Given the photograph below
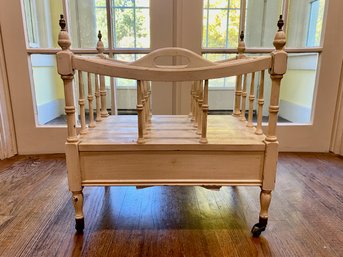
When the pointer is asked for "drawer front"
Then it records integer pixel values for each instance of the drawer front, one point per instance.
(171, 167)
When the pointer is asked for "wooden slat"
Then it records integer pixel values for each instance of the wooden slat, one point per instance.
(171, 132)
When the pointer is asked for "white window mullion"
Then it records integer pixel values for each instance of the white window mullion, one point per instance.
(65, 4)
(109, 12)
(284, 13)
(242, 17)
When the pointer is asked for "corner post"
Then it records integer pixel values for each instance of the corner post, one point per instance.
(279, 67)
(65, 69)
(100, 48)
(238, 90)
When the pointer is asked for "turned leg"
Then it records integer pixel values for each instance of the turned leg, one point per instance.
(265, 198)
(78, 204)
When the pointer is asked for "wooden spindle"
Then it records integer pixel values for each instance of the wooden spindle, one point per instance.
(97, 98)
(143, 101)
(203, 139)
(82, 104)
(149, 102)
(64, 67)
(146, 109)
(190, 115)
(90, 101)
(103, 93)
(251, 101)
(238, 94)
(140, 139)
(279, 67)
(196, 103)
(199, 111)
(193, 100)
(259, 130)
(244, 98)
(114, 110)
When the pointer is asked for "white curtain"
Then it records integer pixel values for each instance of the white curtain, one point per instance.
(337, 135)
(8, 146)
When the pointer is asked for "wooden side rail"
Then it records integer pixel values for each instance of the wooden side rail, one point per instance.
(122, 70)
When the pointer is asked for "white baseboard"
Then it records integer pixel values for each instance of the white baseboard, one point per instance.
(50, 111)
(294, 113)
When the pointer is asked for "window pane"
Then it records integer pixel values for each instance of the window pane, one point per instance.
(233, 28)
(142, 28)
(131, 24)
(223, 82)
(142, 3)
(41, 22)
(220, 24)
(216, 3)
(261, 20)
(126, 88)
(86, 19)
(48, 88)
(235, 3)
(305, 23)
(124, 28)
(216, 29)
(123, 3)
(298, 87)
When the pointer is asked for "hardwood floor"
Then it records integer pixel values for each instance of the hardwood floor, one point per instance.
(306, 214)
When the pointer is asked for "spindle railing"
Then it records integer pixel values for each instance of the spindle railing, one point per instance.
(199, 92)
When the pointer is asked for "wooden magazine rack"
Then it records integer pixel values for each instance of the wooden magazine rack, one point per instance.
(184, 150)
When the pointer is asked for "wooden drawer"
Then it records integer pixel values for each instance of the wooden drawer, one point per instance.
(171, 168)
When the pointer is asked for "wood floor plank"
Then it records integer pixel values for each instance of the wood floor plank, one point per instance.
(306, 214)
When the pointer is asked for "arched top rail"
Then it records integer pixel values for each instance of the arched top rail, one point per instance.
(192, 59)
(169, 73)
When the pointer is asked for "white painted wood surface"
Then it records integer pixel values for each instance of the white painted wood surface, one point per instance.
(172, 150)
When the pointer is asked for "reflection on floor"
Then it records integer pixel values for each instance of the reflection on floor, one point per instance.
(62, 120)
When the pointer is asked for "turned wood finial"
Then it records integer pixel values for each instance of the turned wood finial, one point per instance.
(241, 43)
(63, 37)
(241, 36)
(100, 44)
(280, 23)
(62, 22)
(280, 36)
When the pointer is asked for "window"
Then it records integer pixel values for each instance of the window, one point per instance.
(222, 21)
(125, 28)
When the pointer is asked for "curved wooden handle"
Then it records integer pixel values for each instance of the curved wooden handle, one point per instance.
(193, 60)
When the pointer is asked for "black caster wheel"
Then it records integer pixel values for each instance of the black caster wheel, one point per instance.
(79, 225)
(259, 227)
